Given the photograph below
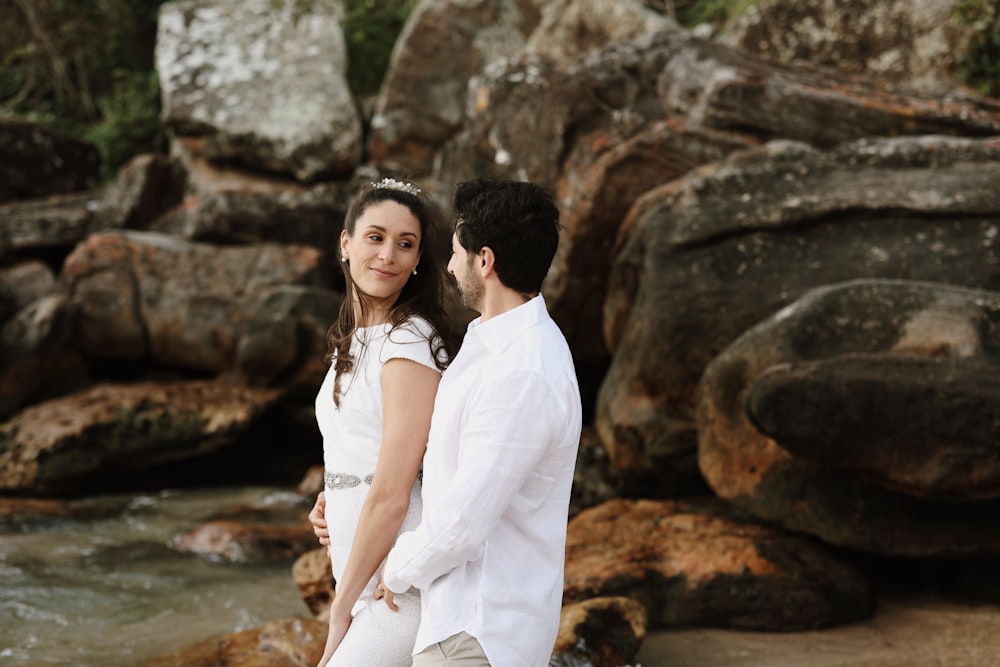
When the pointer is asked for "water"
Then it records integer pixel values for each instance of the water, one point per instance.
(110, 590)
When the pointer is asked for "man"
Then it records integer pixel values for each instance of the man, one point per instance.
(488, 555)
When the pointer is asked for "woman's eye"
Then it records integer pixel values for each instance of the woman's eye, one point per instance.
(374, 237)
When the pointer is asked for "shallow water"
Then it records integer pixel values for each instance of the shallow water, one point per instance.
(111, 591)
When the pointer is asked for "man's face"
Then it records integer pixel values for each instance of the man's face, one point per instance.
(463, 266)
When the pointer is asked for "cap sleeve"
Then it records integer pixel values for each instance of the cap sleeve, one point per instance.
(411, 340)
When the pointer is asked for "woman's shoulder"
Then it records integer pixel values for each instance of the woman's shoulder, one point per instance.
(413, 328)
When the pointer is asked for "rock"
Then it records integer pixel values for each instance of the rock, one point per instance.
(242, 542)
(603, 176)
(264, 85)
(704, 258)
(85, 441)
(287, 642)
(701, 564)
(926, 426)
(313, 575)
(313, 482)
(22, 284)
(36, 162)
(144, 188)
(31, 343)
(56, 222)
(600, 632)
(906, 41)
(571, 29)
(845, 498)
(287, 329)
(185, 305)
(305, 216)
(443, 44)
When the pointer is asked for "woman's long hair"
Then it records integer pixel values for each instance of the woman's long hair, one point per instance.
(423, 295)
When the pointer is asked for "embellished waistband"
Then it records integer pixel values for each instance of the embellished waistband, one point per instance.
(343, 480)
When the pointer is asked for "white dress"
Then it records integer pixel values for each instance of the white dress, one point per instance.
(352, 437)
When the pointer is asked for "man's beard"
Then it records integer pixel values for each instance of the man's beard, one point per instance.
(471, 290)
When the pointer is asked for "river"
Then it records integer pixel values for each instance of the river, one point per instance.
(109, 590)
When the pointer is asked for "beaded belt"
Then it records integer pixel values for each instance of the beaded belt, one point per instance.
(341, 480)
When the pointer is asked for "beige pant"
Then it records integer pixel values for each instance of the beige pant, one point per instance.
(461, 649)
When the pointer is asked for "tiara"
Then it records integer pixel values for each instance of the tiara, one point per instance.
(393, 184)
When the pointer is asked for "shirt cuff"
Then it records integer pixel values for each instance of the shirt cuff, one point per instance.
(393, 583)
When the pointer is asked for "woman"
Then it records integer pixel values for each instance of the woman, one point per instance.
(388, 347)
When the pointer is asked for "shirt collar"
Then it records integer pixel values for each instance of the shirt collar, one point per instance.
(497, 332)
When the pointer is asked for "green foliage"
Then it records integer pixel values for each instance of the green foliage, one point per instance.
(718, 12)
(979, 63)
(130, 118)
(84, 68)
(370, 30)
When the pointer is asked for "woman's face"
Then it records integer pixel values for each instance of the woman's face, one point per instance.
(382, 252)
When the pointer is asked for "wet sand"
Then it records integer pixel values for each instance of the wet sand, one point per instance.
(906, 631)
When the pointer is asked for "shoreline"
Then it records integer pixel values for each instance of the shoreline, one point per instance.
(907, 630)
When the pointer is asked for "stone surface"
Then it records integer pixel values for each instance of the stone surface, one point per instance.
(700, 564)
(79, 442)
(918, 322)
(287, 642)
(704, 258)
(264, 84)
(600, 632)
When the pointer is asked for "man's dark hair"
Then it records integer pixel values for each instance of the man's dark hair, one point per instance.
(518, 221)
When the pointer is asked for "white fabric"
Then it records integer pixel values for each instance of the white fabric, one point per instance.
(352, 436)
(489, 551)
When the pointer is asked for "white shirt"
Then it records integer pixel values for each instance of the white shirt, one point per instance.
(489, 552)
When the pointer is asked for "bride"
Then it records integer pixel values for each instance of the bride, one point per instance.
(387, 350)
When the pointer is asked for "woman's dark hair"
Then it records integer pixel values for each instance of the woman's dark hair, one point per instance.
(423, 295)
(517, 220)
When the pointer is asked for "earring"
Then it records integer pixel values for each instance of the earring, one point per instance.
(343, 259)
(414, 271)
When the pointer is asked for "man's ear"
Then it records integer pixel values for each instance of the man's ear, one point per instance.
(487, 261)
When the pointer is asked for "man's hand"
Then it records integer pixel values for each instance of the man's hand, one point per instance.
(318, 519)
(381, 592)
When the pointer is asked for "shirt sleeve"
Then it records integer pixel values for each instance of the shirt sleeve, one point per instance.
(411, 340)
(512, 425)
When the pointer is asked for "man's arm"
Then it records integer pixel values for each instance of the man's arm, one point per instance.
(513, 420)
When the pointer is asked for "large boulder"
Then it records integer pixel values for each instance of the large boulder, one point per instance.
(706, 257)
(899, 381)
(919, 42)
(87, 441)
(263, 84)
(443, 44)
(703, 564)
(286, 642)
(147, 296)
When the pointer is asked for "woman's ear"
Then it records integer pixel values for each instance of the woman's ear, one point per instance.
(345, 238)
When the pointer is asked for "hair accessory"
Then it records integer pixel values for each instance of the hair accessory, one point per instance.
(393, 184)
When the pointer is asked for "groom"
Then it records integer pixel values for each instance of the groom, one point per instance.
(488, 554)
